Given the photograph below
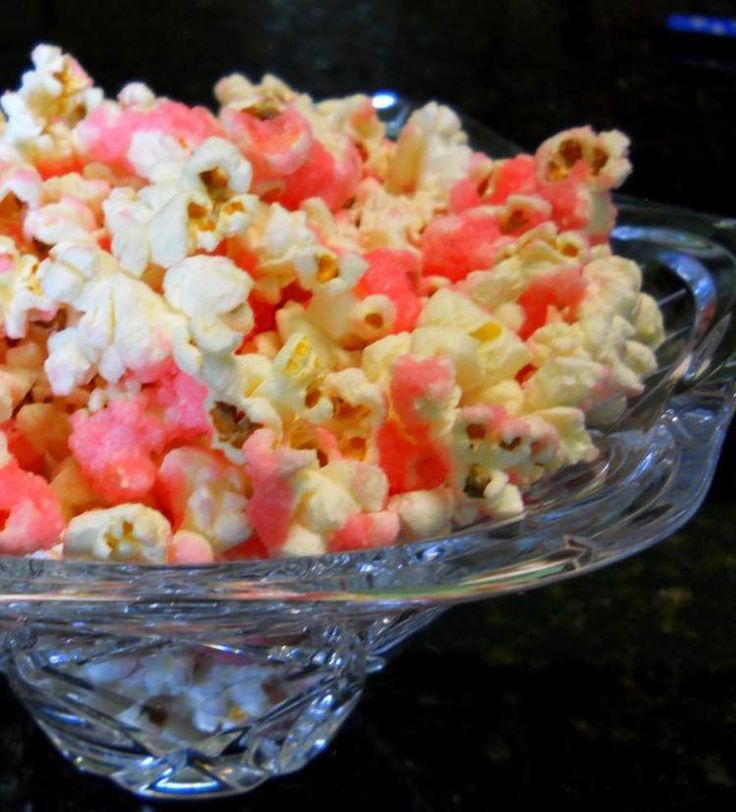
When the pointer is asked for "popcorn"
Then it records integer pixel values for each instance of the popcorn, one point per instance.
(69, 220)
(423, 514)
(204, 495)
(21, 295)
(33, 519)
(431, 153)
(115, 449)
(213, 293)
(124, 325)
(127, 533)
(275, 332)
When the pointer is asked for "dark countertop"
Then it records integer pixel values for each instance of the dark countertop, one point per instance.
(615, 689)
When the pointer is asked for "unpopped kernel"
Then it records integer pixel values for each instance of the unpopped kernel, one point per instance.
(270, 330)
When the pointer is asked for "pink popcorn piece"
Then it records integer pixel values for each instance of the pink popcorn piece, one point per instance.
(464, 195)
(456, 244)
(276, 143)
(391, 273)
(515, 176)
(273, 501)
(563, 290)
(189, 549)
(365, 531)
(30, 514)
(115, 449)
(333, 178)
(106, 133)
(415, 379)
(180, 401)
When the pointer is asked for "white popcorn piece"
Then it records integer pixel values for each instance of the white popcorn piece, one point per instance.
(123, 323)
(155, 155)
(137, 95)
(20, 184)
(52, 98)
(213, 293)
(126, 533)
(217, 168)
(69, 220)
(92, 192)
(423, 513)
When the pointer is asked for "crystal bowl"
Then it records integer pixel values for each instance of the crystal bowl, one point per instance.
(207, 681)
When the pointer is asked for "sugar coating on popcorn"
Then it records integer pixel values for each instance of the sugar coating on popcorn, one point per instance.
(270, 330)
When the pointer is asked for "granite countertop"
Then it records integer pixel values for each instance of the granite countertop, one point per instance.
(617, 687)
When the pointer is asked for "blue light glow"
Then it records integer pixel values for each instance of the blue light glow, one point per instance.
(383, 99)
(698, 24)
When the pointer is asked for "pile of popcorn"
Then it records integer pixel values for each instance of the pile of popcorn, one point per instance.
(273, 331)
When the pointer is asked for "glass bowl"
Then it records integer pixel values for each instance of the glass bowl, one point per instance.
(207, 681)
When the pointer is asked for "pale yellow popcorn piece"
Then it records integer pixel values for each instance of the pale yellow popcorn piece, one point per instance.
(424, 513)
(126, 218)
(449, 308)
(129, 533)
(271, 93)
(563, 381)
(292, 318)
(324, 505)
(605, 154)
(137, 95)
(300, 541)
(293, 383)
(21, 295)
(455, 343)
(431, 153)
(377, 358)
(354, 117)
(648, 322)
(384, 220)
(502, 500)
(575, 441)
(353, 388)
(328, 497)
(613, 287)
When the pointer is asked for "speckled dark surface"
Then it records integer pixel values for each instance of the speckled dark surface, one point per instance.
(618, 689)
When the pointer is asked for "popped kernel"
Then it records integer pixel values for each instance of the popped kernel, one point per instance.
(127, 533)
